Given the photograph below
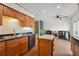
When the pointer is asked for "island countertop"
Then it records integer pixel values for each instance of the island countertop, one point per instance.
(48, 37)
(45, 45)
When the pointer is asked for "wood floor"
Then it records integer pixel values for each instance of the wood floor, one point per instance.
(61, 48)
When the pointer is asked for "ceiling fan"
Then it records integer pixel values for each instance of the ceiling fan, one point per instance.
(61, 17)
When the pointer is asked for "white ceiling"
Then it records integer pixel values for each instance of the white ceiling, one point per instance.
(50, 9)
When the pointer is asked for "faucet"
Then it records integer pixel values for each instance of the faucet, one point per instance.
(14, 32)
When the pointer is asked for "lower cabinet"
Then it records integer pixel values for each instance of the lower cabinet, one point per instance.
(45, 47)
(2, 48)
(12, 48)
(23, 44)
(75, 47)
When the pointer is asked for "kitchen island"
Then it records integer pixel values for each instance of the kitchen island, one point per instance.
(45, 45)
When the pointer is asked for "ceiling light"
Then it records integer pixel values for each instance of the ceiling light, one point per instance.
(14, 20)
(58, 19)
(26, 28)
(43, 11)
(58, 7)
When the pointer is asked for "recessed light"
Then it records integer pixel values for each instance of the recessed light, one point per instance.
(14, 20)
(58, 19)
(43, 11)
(58, 7)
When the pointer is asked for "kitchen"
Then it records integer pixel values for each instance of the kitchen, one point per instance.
(14, 27)
(28, 33)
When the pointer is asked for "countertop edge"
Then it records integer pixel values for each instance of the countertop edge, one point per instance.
(14, 37)
(76, 41)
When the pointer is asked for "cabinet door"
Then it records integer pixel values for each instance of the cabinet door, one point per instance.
(32, 22)
(23, 44)
(2, 48)
(9, 12)
(28, 21)
(44, 47)
(0, 19)
(2, 51)
(1, 13)
(19, 16)
(12, 48)
(23, 21)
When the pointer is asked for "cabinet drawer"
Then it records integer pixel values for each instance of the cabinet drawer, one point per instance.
(2, 44)
(12, 44)
(12, 49)
(13, 41)
(23, 39)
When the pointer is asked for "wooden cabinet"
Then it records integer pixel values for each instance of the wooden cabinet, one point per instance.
(75, 47)
(32, 21)
(9, 12)
(45, 47)
(22, 19)
(16, 46)
(12, 47)
(1, 13)
(2, 48)
(19, 17)
(23, 44)
(27, 21)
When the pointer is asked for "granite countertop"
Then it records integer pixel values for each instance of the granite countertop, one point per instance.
(12, 37)
(48, 37)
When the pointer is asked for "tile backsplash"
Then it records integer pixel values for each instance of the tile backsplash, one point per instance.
(9, 24)
(26, 29)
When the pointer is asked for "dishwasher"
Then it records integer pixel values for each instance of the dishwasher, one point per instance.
(31, 41)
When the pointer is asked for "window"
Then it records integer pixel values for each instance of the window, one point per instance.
(76, 29)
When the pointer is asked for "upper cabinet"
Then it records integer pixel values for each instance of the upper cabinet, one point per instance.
(13, 13)
(10, 12)
(27, 21)
(32, 21)
(1, 13)
(24, 20)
